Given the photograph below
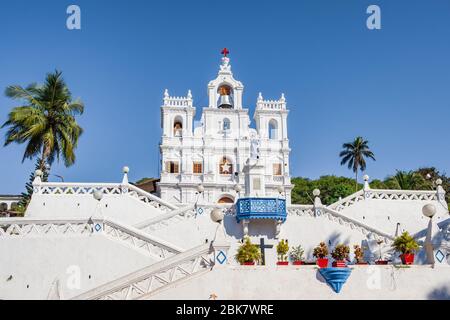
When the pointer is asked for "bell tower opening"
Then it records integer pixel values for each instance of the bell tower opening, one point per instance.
(225, 97)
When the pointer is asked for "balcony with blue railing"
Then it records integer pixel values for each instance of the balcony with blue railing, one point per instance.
(261, 208)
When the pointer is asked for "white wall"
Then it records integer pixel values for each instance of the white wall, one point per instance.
(122, 208)
(304, 282)
(307, 231)
(385, 214)
(37, 261)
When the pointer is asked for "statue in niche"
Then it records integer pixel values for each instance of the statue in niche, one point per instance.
(254, 148)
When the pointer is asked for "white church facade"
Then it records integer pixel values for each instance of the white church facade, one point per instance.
(214, 155)
(221, 182)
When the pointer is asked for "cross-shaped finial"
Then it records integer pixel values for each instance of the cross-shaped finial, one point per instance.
(225, 52)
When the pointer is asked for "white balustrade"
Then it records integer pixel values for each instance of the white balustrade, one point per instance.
(132, 237)
(109, 189)
(379, 194)
(147, 281)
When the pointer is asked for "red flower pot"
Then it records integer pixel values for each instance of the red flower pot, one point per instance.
(407, 258)
(252, 263)
(322, 262)
(297, 263)
(381, 262)
(339, 264)
(282, 263)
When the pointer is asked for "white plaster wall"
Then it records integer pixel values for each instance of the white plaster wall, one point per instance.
(121, 208)
(304, 230)
(36, 262)
(385, 214)
(304, 282)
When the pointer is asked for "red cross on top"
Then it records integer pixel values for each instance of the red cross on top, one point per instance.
(225, 52)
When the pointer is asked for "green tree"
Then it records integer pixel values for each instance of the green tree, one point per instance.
(407, 180)
(331, 189)
(354, 155)
(26, 196)
(46, 121)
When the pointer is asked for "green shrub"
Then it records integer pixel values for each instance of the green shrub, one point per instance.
(359, 253)
(282, 250)
(321, 251)
(296, 253)
(341, 252)
(405, 244)
(248, 252)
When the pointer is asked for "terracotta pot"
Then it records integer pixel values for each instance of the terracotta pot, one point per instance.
(282, 263)
(362, 263)
(252, 263)
(322, 262)
(339, 264)
(383, 262)
(297, 263)
(407, 258)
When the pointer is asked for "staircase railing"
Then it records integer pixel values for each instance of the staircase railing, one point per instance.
(354, 224)
(348, 201)
(145, 282)
(132, 237)
(333, 215)
(384, 194)
(166, 218)
(64, 188)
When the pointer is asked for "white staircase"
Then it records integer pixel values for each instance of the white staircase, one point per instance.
(128, 236)
(144, 283)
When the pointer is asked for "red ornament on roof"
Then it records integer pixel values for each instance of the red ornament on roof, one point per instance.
(225, 52)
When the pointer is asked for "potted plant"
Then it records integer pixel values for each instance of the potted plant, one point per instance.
(248, 253)
(282, 250)
(296, 255)
(320, 252)
(407, 245)
(340, 255)
(358, 251)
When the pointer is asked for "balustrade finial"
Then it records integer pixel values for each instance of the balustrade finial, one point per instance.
(125, 171)
(260, 97)
(366, 182)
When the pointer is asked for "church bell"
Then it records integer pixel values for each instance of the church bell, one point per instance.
(225, 100)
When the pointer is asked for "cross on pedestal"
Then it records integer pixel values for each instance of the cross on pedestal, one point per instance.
(263, 247)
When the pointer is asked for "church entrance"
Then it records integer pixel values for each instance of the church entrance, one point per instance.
(225, 199)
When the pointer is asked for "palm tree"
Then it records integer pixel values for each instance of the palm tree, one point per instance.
(45, 121)
(409, 180)
(354, 155)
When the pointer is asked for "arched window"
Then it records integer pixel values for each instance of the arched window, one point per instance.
(225, 199)
(273, 129)
(3, 207)
(226, 124)
(178, 127)
(225, 166)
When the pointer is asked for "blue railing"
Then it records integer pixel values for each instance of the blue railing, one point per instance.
(261, 208)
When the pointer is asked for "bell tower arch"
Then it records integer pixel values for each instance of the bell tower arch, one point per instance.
(225, 92)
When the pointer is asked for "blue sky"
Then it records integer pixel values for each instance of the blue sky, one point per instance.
(392, 86)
